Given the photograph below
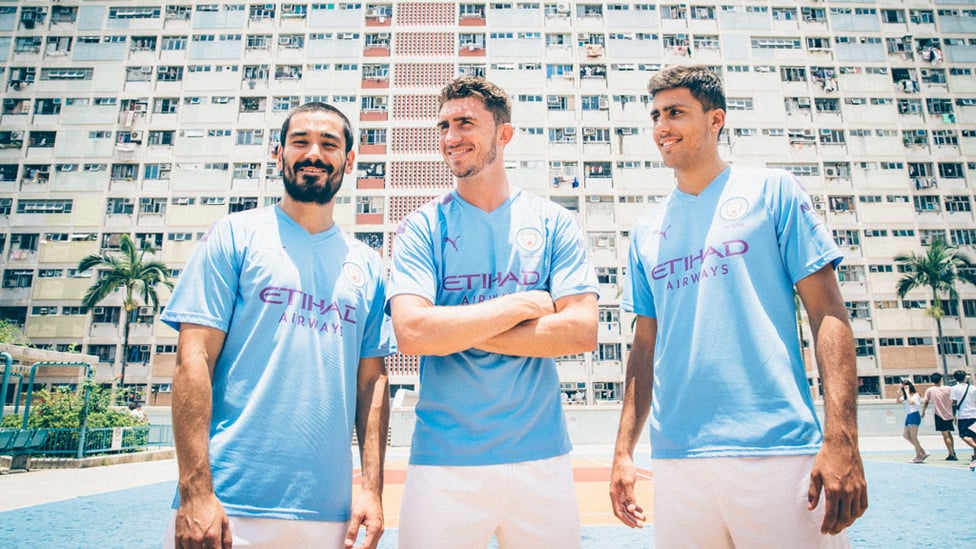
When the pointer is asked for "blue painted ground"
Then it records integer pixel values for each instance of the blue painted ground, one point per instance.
(911, 506)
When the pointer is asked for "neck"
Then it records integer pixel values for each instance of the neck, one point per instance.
(694, 179)
(486, 191)
(312, 216)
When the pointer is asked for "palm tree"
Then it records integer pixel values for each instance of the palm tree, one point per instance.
(939, 269)
(132, 271)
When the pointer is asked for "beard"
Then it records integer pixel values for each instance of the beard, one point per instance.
(486, 159)
(306, 188)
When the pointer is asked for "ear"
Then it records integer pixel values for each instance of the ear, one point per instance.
(350, 161)
(716, 120)
(505, 133)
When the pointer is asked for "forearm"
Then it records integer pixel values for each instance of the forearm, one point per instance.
(192, 406)
(638, 388)
(197, 351)
(425, 329)
(838, 373)
(571, 330)
(372, 425)
(636, 408)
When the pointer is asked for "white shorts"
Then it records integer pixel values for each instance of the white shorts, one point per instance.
(737, 502)
(278, 534)
(526, 504)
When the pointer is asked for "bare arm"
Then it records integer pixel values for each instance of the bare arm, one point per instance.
(372, 423)
(837, 470)
(200, 519)
(425, 329)
(633, 416)
(570, 330)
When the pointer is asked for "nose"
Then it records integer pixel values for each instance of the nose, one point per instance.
(450, 135)
(661, 126)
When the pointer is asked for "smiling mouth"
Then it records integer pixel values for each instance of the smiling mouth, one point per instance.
(667, 143)
(458, 152)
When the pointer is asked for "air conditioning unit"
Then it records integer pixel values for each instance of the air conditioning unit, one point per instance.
(562, 7)
(569, 131)
(16, 134)
(830, 171)
(625, 131)
(604, 104)
(284, 40)
(135, 136)
(98, 310)
(817, 199)
(145, 311)
(552, 99)
(589, 131)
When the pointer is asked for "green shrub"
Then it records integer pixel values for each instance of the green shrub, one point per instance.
(61, 409)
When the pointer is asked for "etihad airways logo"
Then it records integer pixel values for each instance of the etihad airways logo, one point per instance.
(695, 263)
(310, 310)
(487, 281)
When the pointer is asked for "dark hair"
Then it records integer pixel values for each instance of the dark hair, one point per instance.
(936, 377)
(316, 106)
(960, 375)
(909, 384)
(494, 98)
(702, 82)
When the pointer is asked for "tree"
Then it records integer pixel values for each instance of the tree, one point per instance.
(939, 269)
(129, 270)
(11, 333)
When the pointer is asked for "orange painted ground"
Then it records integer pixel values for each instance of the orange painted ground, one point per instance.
(592, 476)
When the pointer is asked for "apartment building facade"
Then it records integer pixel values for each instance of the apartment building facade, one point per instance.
(154, 119)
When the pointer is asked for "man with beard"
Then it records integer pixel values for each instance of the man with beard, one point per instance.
(488, 284)
(282, 339)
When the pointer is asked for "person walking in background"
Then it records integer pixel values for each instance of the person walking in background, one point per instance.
(488, 285)
(964, 399)
(944, 415)
(913, 418)
(282, 339)
(739, 459)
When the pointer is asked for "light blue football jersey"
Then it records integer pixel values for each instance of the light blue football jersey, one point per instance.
(717, 271)
(299, 311)
(478, 408)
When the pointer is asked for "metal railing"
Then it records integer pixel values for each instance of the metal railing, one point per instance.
(101, 441)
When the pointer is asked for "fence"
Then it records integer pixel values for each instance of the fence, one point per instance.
(109, 440)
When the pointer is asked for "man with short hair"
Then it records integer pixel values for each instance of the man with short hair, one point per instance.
(938, 395)
(488, 285)
(282, 339)
(963, 397)
(739, 460)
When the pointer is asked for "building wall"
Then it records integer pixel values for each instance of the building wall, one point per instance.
(156, 119)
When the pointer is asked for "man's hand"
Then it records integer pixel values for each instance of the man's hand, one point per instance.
(838, 471)
(623, 476)
(202, 523)
(367, 512)
(541, 300)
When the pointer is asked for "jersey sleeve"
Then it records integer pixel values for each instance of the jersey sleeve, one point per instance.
(805, 243)
(637, 297)
(378, 332)
(412, 270)
(207, 288)
(571, 271)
